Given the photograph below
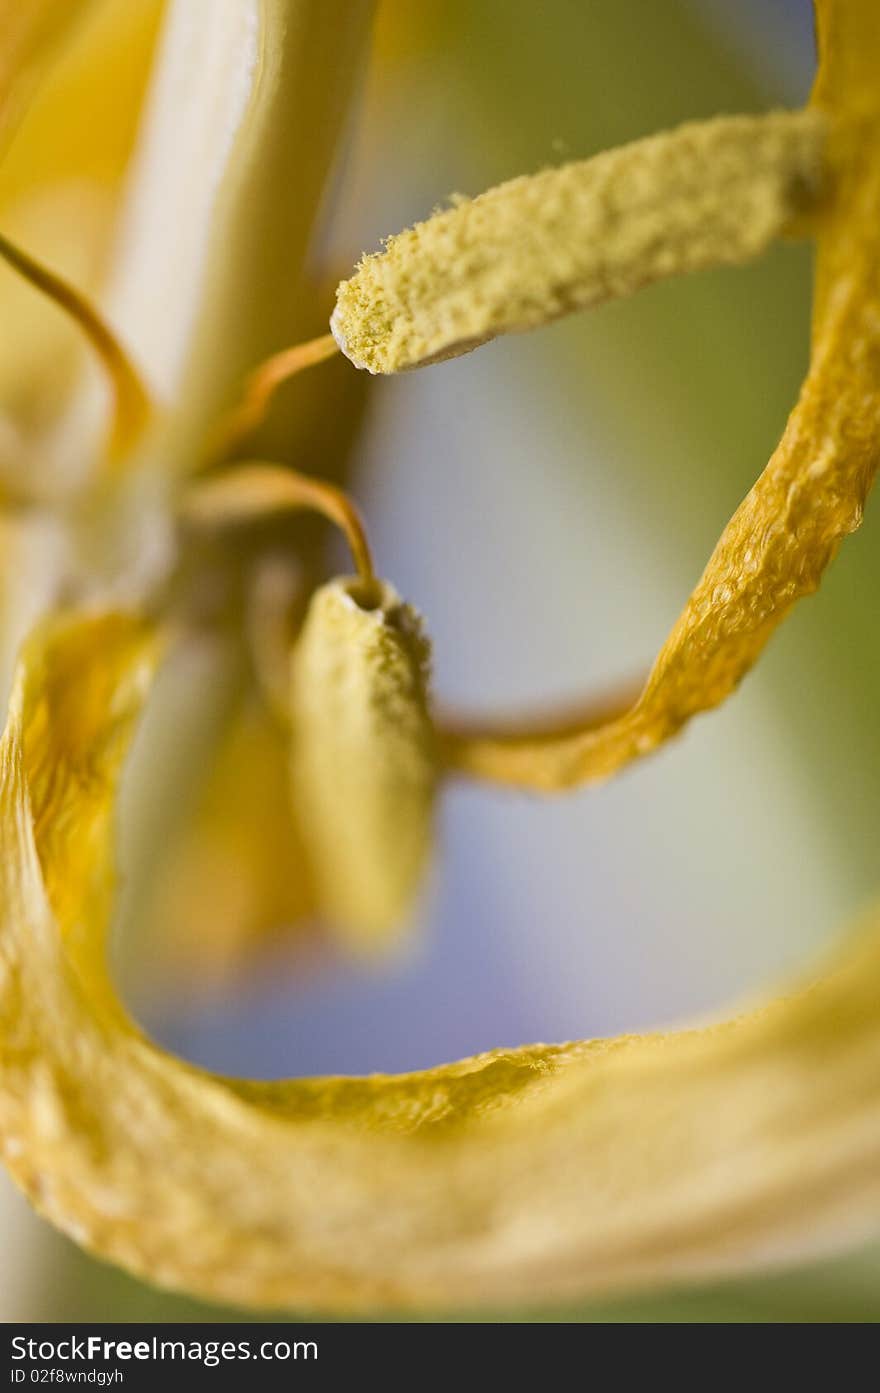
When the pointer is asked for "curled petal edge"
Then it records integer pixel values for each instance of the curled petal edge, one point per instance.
(572, 1170)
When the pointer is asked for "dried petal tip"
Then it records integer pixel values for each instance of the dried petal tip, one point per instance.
(709, 193)
(364, 759)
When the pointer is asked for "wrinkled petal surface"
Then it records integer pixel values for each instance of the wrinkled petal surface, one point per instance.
(546, 1170)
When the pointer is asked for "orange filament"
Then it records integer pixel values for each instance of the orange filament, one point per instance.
(258, 490)
(132, 405)
(260, 388)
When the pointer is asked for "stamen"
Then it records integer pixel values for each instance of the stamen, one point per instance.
(260, 388)
(132, 404)
(258, 490)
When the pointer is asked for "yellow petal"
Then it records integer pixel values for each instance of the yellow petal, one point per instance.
(92, 57)
(849, 37)
(364, 761)
(521, 1175)
(29, 35)
(710, 193)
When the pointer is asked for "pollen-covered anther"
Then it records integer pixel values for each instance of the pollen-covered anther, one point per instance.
(364, 762)
(709, 193)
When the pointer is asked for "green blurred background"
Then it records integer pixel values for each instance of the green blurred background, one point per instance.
(548, 503)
